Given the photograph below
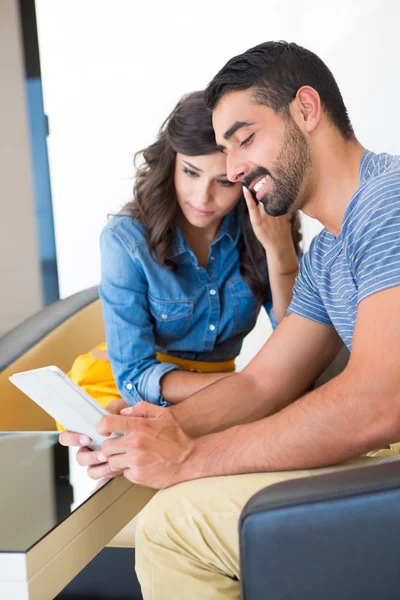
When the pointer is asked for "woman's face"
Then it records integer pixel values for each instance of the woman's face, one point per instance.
(204, 193)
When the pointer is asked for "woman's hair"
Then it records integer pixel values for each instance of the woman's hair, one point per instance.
(188, 130)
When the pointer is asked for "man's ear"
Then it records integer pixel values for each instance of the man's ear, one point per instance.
(306, 108)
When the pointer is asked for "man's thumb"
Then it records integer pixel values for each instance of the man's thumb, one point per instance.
(142, 409)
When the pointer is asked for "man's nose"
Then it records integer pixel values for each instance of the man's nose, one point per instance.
(236, 169)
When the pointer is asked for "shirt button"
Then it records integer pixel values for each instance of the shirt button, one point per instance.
(129, 386)
(164, 316)
(212, 257)
(212, 327)
(212, 292)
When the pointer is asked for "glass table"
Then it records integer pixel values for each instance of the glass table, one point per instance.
(53, 518)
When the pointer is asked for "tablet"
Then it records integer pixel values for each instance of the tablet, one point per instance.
(64, 400)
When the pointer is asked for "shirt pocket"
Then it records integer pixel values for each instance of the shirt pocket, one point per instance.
(245, 305)
(171, 319)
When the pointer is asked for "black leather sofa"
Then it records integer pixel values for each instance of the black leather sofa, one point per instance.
(330, 537)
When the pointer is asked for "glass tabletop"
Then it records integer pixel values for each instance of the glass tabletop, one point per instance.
(41, 485)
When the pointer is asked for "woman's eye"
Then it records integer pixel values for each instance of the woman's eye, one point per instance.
(189, 172)
(225, 183)
(247, 141)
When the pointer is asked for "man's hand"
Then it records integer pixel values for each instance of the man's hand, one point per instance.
(154, 450)
(116, 406)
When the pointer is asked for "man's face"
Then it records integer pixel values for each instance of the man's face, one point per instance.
(265, 151)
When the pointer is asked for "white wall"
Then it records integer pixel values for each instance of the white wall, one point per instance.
(113, 69)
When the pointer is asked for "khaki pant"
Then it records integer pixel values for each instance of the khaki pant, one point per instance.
(187, 543)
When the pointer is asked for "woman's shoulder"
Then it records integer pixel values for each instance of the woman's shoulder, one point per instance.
(126, 229)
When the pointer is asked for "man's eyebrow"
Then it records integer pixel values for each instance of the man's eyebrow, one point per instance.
(238, 125)
(192, 166)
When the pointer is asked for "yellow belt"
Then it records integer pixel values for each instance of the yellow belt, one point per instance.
(226, 366)
(95, 376)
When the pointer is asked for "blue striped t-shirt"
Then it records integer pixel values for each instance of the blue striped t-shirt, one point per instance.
(337, 273)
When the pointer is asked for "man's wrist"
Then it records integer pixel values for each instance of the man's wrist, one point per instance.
(212, 455)
(194, 467)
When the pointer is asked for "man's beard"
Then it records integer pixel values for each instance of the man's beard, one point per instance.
(289, 171)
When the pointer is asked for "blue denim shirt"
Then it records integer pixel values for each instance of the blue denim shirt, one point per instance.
(193, 312)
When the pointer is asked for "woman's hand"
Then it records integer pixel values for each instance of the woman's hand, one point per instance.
(274, 233)
(100, 354)
(95, 460)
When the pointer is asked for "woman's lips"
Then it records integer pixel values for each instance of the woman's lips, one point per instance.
(201, 213)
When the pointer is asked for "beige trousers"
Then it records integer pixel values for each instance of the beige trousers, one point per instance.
(187, 543)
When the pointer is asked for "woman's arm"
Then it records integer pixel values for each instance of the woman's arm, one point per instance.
(130, 336)
(283, 268)
(179, 385)
(128, 323)
(175, 385)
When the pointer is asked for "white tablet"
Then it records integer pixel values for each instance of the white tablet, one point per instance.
(64, 400)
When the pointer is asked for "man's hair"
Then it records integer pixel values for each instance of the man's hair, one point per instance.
(275, 71)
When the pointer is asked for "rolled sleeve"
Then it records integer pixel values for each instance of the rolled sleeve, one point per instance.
(129, 329)
(149, 384)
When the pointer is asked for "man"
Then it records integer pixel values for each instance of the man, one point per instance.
(280, 119)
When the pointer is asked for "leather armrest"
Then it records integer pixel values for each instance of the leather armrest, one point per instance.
(328, 537)
(23, 337)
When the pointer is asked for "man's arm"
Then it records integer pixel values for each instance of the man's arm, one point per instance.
(284, 369)
(295, 355)
(356, 412)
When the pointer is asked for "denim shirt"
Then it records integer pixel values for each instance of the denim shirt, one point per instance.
(193, 312)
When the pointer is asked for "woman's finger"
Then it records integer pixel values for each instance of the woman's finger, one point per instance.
(253, 208)
(251, 204)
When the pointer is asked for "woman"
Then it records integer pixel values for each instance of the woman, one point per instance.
(183, 273)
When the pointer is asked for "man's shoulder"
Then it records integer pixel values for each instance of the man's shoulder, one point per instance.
(378, 166)
(379, 181)
(378, 197)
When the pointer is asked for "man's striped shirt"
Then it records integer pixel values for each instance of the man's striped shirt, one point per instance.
(338, 273)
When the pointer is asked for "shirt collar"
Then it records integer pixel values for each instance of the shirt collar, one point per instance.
(229, 228)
